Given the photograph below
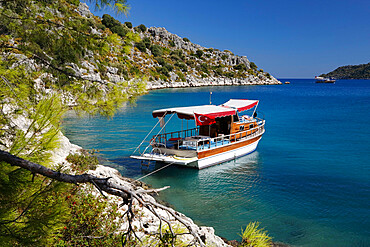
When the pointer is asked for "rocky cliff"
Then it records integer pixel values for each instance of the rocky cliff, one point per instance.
(168, 60)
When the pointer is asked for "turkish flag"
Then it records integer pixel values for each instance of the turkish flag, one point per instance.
(204, 119)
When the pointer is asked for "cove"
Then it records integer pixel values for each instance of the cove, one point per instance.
(308, 183)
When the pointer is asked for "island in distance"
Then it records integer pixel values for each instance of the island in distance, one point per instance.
(361, 71)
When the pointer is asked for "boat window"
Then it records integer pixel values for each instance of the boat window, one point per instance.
(224, 125)
(236, 118)
(251, 126)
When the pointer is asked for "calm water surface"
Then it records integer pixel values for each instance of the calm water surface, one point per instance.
(308, 183)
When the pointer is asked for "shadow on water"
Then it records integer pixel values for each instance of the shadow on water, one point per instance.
(245, 166)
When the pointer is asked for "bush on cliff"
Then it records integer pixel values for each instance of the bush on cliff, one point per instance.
(142, 28)
(253, 65)
(147, 42)
(156, 50)
(141, 46)
(241, 67)
(128, 24)
(114, 25)
(182, 66)
(199, 54)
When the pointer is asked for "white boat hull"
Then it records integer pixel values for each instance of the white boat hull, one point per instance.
(226, 156)
(203, 162)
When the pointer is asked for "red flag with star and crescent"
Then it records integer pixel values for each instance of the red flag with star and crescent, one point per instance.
(203, 119)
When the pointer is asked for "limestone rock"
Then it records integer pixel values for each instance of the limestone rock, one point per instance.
(84, 10)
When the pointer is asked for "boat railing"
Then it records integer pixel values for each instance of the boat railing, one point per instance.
(189, 139)
(163, 138)
(226, 139)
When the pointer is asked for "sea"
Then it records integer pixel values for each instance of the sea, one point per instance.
(307, 184)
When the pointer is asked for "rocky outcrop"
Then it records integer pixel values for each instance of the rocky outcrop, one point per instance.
(212, 57)
(149, 223)
(145, 219)
(192, 81)
(161, 35)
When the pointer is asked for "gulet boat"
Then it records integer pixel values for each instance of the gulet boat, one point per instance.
(320, 79)
(220, 134)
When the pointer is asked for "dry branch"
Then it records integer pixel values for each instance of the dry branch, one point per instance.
(103, 184)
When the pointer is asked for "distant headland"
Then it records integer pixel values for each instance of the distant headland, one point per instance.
(361, 71)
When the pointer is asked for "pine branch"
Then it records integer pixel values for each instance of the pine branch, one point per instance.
(103, 184)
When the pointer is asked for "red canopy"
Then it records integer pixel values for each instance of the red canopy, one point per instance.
(206, 114)
(241, 104)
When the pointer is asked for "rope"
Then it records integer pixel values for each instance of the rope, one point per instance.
(151, 173)
(148, 135)
(158, 131)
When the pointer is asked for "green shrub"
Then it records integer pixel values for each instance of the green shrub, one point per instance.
(224, 57)
(109, 21)
(199, 53)
(218, 72)
(142, 28)
(251, 72)
(163, 71)
(175, 58)
(128, 24)
(168, 66)
(186, 39)
(181, 76)
(172, 43)
(93, 222)
(253, 65)
(230, 74)
(147, 42)
(83, 162)
(163, 77)
(254, 237)
(182, 66)
(160, 60)
(240, 66)
(204, 68)
(100, 26)
(156, 50)
(120, 30)
(141, 46)
(134, 70)
(190, 62)
(179, 54)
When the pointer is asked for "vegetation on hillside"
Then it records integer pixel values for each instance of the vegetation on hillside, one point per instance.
(361, 71)
(53, 59)
(41, 44)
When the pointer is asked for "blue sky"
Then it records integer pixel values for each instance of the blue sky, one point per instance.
(287, 38)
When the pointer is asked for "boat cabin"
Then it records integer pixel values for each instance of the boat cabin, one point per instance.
(215, 125)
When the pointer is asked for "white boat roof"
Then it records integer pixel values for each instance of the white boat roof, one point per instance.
(241, 104)
(227, 109)
(188, 112)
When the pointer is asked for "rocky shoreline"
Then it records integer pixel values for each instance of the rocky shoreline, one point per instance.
(192, 81)
(146, 221)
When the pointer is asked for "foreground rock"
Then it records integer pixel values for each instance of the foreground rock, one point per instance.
(145, 221)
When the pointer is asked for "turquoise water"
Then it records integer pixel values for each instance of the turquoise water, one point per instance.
(308, 183)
